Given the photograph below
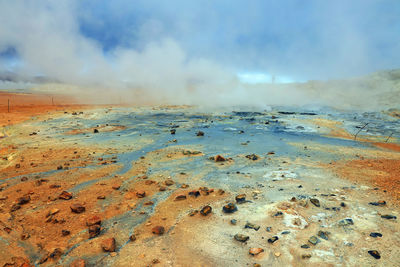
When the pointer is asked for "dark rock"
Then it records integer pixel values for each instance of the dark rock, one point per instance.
(95, 131)
(158, 230)
(375, 254)
(132, 238)
(93, 220)
(59, 167)
(343, 205)
(172, 131)
(241, 238)
(94, 230)
(140, 194)
(56, 254)
(252, 226)
(315, 202)
(180, 197)
(77, 208)
(375, 234)
(65, 195)
(346, 222)
(15, 207)
(65, 232)
(233, 221)
(194, 193)
(200, 133)
(240, 198)
(306, 256)
(278, 214)
(380, 203)
(229, 208)
(285, 232)
(108, 245)
(219, 158)
(205, 210)
(169, 182)
(24, 200)
(252, 157)
(323, 234)
(389, 217)
(268, 229)
(305, 246)
(273, 239)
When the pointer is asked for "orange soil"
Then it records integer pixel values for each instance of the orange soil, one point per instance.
(382, 173)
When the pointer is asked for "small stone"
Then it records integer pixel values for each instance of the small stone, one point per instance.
(277, 254)
(389, 217)
(303, 202)
(113, 254)
(116, 186)
(252, 226)
(155, 261)
(108, 245)
(256, 265)
(306, 256)
(273, 239)
(314, 240)
(53, 211)
(375, 254)
(193, 212)
(241, 237)
(255, 251)
(194, 193)
(173, 131)
(219, 158)
(132, 238)
(78, 263)
(252, 157)
(56, 254)
(180, 197)
(268, 229)
(323, 234)
(315, 202)
(285, 233)
(305, 246)
(240, 198)
(229, 208)
(346, 222)
(77, 208)
(65, 232)
(184, 186)
(93, 220)
(380, 203)
(95, 131)
(205, 210)
(158, 230)
(233, 221)
(162, 188)
(94, 230)
(200, 133)
(65, 195)
(24, 200)
(140, 194)
(169, 182)
(101, 197)
(375, 234)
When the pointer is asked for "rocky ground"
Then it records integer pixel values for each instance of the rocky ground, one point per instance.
(179, 186)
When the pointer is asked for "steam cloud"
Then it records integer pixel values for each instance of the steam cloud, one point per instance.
(182, 52)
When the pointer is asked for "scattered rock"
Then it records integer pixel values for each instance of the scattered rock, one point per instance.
(169, 182)
(305, 246)
(172, 131)
(389, 217)
(200, 133)
(252, 226)
(65, 232)
(194, 193)
(375, 234)
(315, 202)
(132, 238)
(346, 222)
(375, 254)
(65, 195)
(24, 200)
(180, 197)
(158, 230)
(233, 221)
(306, 256)
(94, 230)
(241, 237)
(95, 131)
(15, 207)
(273, 239)
(219, 158)
(314, 240)
(252, 157)
(229, 208)
(140, 194)
(323, 234)
(93, 220)
(56, 254)
(77, 208)
(205, 210)
(108, 245)
(380, 203)
(53, 211)
(101, 197)
(240, 198)
(255, 251)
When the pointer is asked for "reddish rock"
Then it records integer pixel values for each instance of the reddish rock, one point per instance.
(77, 208)
(169, 182)
(101, 197)
(93, 220)
(255, 251)
(205, 210)
(94, 230)
(65, 195)
(158, 230)
(116, 186)
(162, 188)
(180, 197)
(219, 158)
(140, 194)
(24, 200)
(78, 263)
(108, 245)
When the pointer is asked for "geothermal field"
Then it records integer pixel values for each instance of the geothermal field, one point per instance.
(86, 185)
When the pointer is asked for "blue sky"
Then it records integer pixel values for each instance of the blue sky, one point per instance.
(296, 39)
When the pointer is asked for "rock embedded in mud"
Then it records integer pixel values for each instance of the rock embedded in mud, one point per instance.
(219, 158)
(375, 254)
(24, 200)
(315, 202)
(206, 210)
(65, 195)
(93, 220)
(141, 194)
(108, 245)
(241, 237)
(252, 226)
(77, 208)
(240, 198)
(273, 239)
(380, 203)
(346, 222)
(158, 230)
(229, 208)
(255, 251)
(389, 217)
(94, 230)
(78, 263)
(375, 234)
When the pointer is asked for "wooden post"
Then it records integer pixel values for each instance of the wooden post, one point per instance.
(8, 105)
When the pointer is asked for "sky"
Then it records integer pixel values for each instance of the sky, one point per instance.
(168, 44)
